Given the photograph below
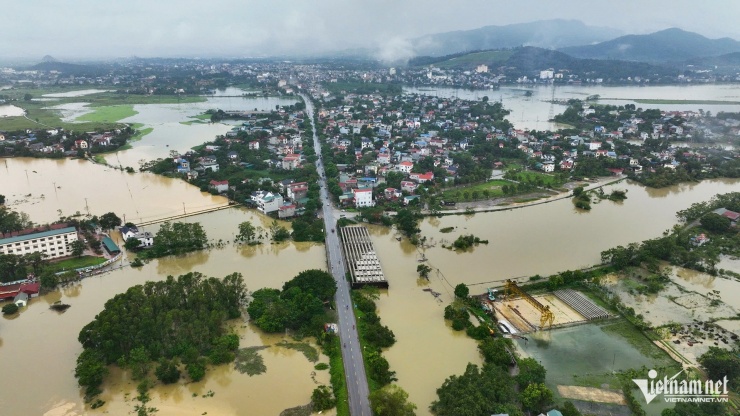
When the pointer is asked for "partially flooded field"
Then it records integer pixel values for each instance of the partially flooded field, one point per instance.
(590, 355)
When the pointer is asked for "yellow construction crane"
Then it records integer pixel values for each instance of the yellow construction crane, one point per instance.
(546, 317)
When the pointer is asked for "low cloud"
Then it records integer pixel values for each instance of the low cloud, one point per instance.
(395, 50)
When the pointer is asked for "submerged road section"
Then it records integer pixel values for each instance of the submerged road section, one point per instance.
(354, 367)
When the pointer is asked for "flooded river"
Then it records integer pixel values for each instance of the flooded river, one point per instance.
(530, 107)
(43, 187)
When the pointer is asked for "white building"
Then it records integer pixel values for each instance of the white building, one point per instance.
(267, 202)
(53, 243)
(547, 74)
(481, 68)
(146, 239)
(363, 197)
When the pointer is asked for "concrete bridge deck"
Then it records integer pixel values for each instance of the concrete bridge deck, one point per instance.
(362, 261)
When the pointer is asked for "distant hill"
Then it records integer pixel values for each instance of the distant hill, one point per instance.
(531, 60)
(67, 68)
(670, 45)
(546, 34)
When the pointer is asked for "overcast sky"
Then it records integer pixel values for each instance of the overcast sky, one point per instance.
(79, 29)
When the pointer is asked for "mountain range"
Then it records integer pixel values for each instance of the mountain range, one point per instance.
(550, 34)
(669, 45)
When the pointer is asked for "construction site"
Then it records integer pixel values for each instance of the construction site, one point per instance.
(519, 312)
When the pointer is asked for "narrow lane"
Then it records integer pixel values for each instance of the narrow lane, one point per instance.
(354, 367)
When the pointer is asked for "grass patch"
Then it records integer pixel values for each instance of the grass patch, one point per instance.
(477, 58)
(76, 263)
(140, 133)
(337, 377)
(637, 339)
(477, 191)
(100, 159)
(249, 361)
(308, 351)
(541, 179)
(523, 200)
(109, 114)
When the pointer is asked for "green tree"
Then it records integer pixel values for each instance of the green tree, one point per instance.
(48, 279)
(536, 396)
(78, 247)
(495, 351)
(530, 372)
(316, 282)
(247, 232)
(138, 362)
(569, 409)
(476, 392)
(132, 243)
(109, 220)
(423, 271)
(10, 309)
(196, 370)
(322, 399)
(391, 400)
(90, 371)
(2, 199)
(278, 233)
(379, 368)
(719, 363)
(462, 291)
(167, 371)
(715, 223)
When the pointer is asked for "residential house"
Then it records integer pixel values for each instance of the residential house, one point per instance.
(81, 144)
(291, 161)
(219, 186)
(286, 211)
(422, 177)
(405, 167)
(392, 193)
(254, 145)
(408, 186)
(363, 197)
(296, 191)
(267, 202)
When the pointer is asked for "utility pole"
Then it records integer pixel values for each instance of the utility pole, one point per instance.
(183, 209)
(87, 208)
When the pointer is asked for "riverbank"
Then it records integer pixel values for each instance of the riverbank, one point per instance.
(519, 201)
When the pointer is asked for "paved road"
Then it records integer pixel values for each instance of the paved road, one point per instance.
(354, 368)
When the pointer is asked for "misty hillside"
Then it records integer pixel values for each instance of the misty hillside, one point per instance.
(531, 60)
(546, 34)
(670, 45)
(535, 59)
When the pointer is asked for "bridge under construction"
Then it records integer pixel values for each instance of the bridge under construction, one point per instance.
(361, 259)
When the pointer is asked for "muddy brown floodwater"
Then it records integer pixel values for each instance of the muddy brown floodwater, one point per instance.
(40, 346)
